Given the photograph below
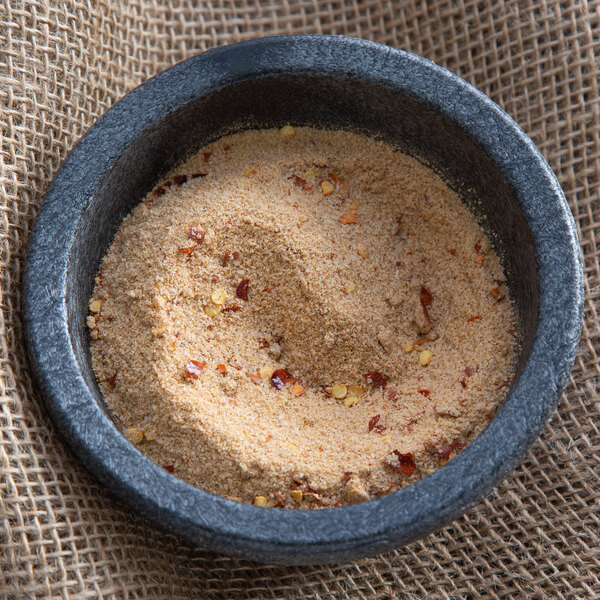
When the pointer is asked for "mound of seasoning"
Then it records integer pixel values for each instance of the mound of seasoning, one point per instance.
(301, 318)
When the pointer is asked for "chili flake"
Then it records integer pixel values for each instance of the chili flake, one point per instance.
(405, 463)
(242, 290)
(193, 368)
(350, 217)
(376, 379)
(280, 377)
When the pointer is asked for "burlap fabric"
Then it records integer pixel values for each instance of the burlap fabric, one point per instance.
(62, 64)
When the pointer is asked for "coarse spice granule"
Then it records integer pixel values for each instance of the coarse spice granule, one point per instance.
(302, 318)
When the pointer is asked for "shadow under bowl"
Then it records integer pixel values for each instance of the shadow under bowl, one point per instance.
(332, 82)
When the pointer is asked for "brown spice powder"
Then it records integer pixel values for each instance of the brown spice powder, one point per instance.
(301, 318)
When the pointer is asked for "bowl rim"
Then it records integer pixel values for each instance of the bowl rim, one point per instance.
(296, 536)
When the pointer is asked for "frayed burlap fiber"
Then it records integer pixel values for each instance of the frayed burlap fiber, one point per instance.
(62, 65)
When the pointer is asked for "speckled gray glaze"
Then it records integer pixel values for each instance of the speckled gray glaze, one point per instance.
(333, 82)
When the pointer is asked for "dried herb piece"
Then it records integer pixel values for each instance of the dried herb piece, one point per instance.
(376, 379)
(405, 463)
(280, 378)
(242, 290)
(193, 368)
(169, 468)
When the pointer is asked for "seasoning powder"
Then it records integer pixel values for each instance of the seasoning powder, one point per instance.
(301, 318)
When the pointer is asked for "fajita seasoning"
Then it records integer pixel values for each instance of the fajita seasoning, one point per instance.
(301, 318)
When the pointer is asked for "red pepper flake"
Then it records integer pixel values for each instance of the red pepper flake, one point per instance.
(235, 255)
(475, 318)
(225, 260)
(398, 225)
(196, 234)
(254, 378)
(196, 175)
(169, 468)
(301, 183)
(495, 293)
(477, 246)
(347, 475)
(373, 422)
(188, 251)
(452, 251)
(222, 368)
(206, 156)
(399, 263)
(112, 381)
(232, 308)
(350, 217)
(280, 498)
(168, 184)
(426, 300)
(280, 378)
(180, 179)
(268, 438)
(385, 492)
(426, 297)
(160, 191)
(479, 259)
(468, 371)
(193, 368)
(242, 290)
(424, 392)
(405, 463)
(444, 455)
(511, 331)
(392, 395)
(458, 445)
(227, 147)
(376, 379)
(463, 383)
(337, 179)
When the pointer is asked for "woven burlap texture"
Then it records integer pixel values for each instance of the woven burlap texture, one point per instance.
(63, 64)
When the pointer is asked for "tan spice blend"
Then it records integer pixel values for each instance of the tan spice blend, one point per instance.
(301, 318)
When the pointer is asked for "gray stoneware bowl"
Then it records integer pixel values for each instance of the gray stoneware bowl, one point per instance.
(333, 82)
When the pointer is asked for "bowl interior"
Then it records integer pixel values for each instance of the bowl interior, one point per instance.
(323, 101)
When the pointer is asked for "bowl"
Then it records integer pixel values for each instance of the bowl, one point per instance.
(334, 82)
